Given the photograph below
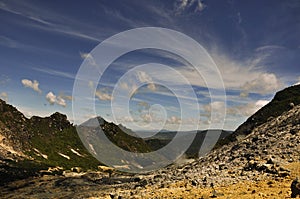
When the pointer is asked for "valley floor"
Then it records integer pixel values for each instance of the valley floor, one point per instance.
(94, 186)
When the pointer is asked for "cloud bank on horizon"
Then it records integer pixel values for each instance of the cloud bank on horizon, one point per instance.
(255, 46)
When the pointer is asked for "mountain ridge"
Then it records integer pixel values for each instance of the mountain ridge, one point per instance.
(283, 101)
(28, 145)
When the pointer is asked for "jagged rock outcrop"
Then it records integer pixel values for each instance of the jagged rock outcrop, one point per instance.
(265, 150)
(13, 127)
(56, 121)
(30, 145)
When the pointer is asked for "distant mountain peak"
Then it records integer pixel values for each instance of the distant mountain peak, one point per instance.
(93, 122)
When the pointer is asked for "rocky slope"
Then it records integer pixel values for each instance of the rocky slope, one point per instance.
(265, 151)
(282, 101)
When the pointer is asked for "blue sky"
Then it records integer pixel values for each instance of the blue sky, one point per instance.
(255, 45)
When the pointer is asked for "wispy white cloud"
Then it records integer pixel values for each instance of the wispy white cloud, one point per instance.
(269, 48)
(50, 21)
(5, 41)
(133, 23)
(31, 84)
(182, 5)
(248, 75)
(7, 8)
(65, 97)
(103, 95)
(145, 78)
(199, 6)
(235, 73)
(55, 72)
(12, 43)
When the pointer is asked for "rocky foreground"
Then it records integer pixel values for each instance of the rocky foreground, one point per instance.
(261, 164)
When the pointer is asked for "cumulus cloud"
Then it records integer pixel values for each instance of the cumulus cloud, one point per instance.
(127, 119)
(213, 106)
(104, 96)
(215, 111)
(146, 117)
(174, 120)
(85, 55)
(236, 74)
(60, 101)
(239, 75)
(234, 113)
(153, 116)
(65, 97)
(145, 78)
(89, 58)
(265, 83)
(4, 96)
(248, 109)
(31, 84)
(53, 99)
(151, 86)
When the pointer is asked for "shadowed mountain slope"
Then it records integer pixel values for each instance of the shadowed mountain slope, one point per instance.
(283, 101)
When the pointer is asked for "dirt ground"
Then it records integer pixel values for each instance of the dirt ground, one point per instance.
(269, 188)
